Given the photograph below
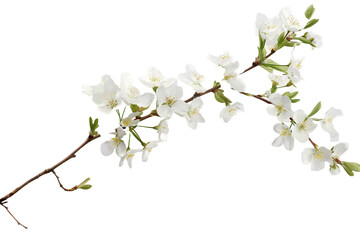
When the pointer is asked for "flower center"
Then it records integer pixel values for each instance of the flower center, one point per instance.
(232, 111)
(318, 155)
(193, 112)
(110, 100)
(224, 57)
(132, 92)
(127, 122)
(170, 100)
(115, 141)
(293, 21)
(284, 133)
(197, 77)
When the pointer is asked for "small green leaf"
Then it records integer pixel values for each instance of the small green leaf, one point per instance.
(292, 95)
(270, 70)
(96, 124)
(311, 23)
(273, 89)
(134, 107)
(315, 110)
(348, 170)
(316, 119)
(220, 97)
(352, 166)
(309, 11)
(286, 94)
(91, 123)
(280, 38)
(85, 187)
(290, 44)
(84, 182)
(155, 88)
(295, 100)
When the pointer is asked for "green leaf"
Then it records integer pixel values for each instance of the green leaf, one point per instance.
(286, 94)
(96, 124)
(134, 107)
(261, 42)
(316, 119)
(91, 123)
(273, 89)
(309, 11)
(270, 70)
(352, 166)
(315, 110)
(84, 182)
(280, 38)
(348, 170)
(292, 95)
(220, 97)
(155, 88)
(270, 63)
(311, 23)
(295, 100)
(290, 44)
(85, 187)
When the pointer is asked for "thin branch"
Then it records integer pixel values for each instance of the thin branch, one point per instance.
(7, 209)
(257, 62)
(66, 189)
(46, 171)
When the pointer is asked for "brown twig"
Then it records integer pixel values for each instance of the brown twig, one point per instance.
(66, 189)
(46, 171)
(258, 62)
(7, 209)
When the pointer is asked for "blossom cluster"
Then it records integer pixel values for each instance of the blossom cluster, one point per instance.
(284, 30)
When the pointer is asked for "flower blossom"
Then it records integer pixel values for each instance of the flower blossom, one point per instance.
(317, 157)
(337, 151)
(269, 29)
(193, 115)
(231, 76)
(291, 23)
(281, 108)
(303, 126)
(147, 149)
(285, 137)
(221, 60)
(192, 78)
(155, 79)
(130, 120)
(169, 101)
(327, 124)
(131, 94)
(163, 130)
(228, 112)
(129, 155)
(106, 94)
(314, 38)
(281, 80)
(107, 148)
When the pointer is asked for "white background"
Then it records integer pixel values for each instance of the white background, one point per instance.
(222, 181)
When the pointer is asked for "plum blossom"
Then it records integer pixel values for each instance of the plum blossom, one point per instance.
(116, 143)
(147, 149)
(327, 124)
(131, 94)
(163, 130)
(228, 112)
(169, 101)
(231, 76)
(155, 79)
(130, 120)
(281, 80)
(285, 137)
(221, 60)
(293, 72)
(290, 22)
(129, 155)
(193, 115)
(281, 108)
(314, 38)
(269, 29)
(317, 157)
(106, 94)
(192, 78)
(303, 126)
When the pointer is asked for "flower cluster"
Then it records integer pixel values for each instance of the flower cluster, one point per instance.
(284, 30)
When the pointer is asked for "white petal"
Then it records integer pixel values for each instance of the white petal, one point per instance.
(145, 155)
(299, 116)
(164, 111)
(307, 155)
(122, 161)
(271, 110)
(301, 136)
(289, 143)
(121, 149)
(98, 97)
(197, 103)
(145, 100)
(317, 165)
(278, 141)
(106, 148)
(237, 84)
(278, 127)
(180, 107)
(340, 148)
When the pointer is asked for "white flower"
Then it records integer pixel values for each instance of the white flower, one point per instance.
(281, 108)
(169, 101)
(130, 121)
(163, 130)
(221, 60)
(269, 29)
(303, 126)
(327, 124)
(339, 149)
(129, 157)
(106, 94)
(156, 79)
(315, 39)
(293, 72)
(131, 95)
(108, 147)
(192, 78)
(147, 149)
(285, 137)
(193, 115)
(317, 157)
(231, 77)
(228, 112)
(290, 22)
(282, 80)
